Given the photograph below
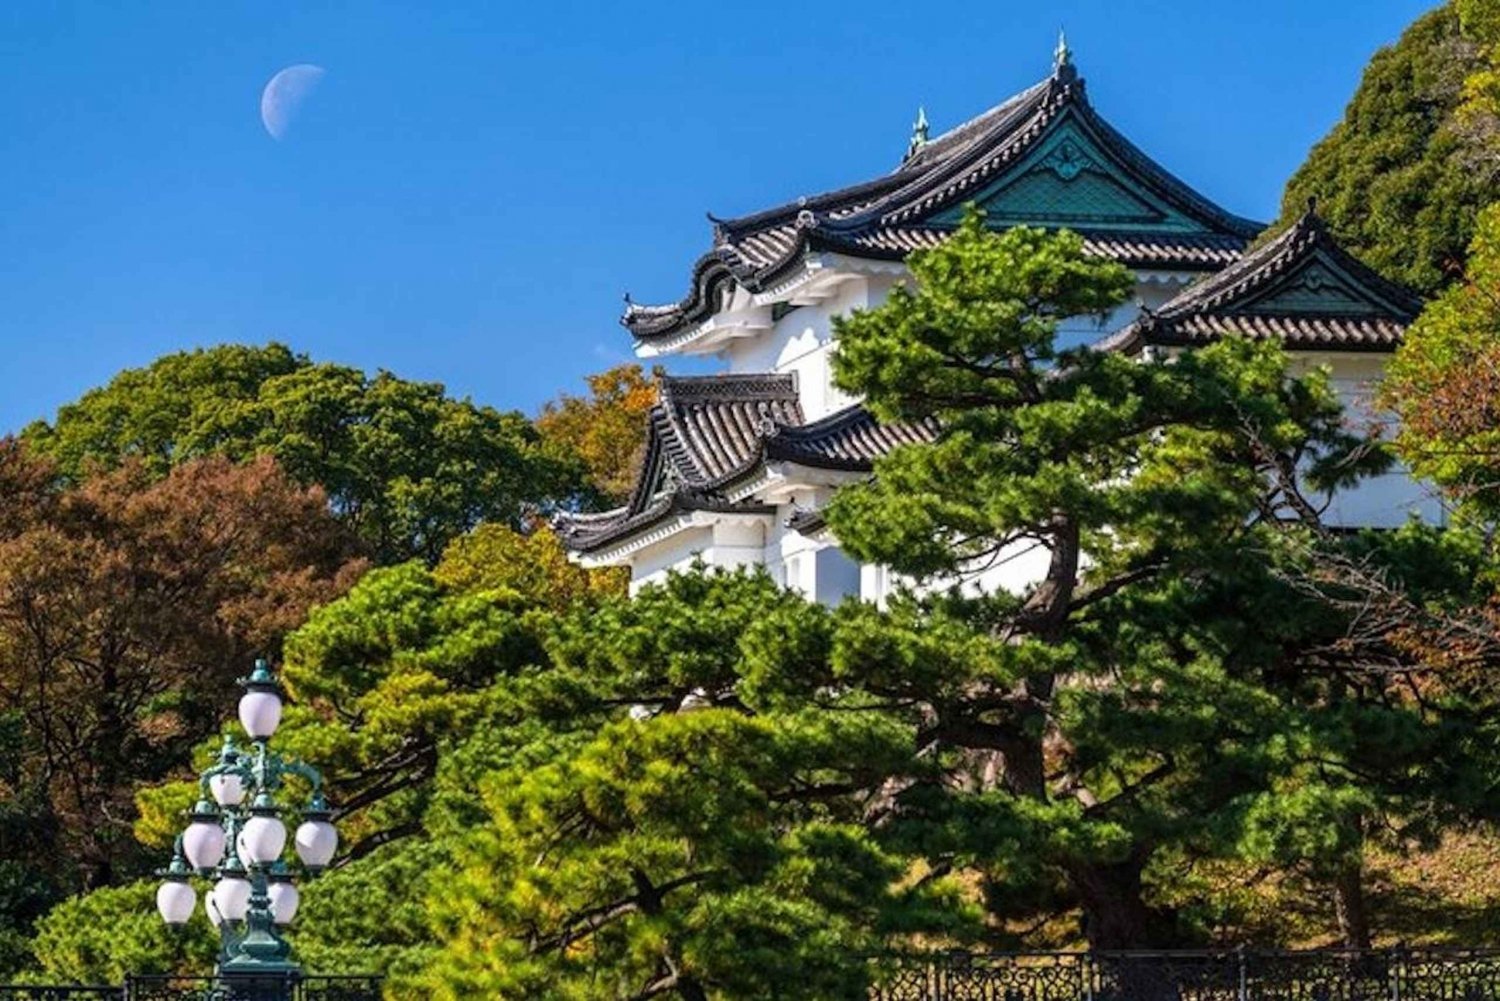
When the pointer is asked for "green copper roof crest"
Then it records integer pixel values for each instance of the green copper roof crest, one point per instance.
(1070, 180)
(1316, 288)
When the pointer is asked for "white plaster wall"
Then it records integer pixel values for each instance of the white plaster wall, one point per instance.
(1395, 497)
(1015, 569)
(731, 544)
(801, 342)
(652, 564)
(736, 543)
(813, 566)
(838, 576)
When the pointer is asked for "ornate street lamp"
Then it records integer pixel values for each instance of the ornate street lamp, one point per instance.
(235, 836)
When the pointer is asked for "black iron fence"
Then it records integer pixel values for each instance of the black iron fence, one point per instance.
(1235, 975)
(1238, 975)
(154, 988)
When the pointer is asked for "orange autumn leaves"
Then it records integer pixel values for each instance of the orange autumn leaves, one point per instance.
(607, 428)
(127, 605)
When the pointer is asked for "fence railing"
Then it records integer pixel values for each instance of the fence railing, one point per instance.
(1233, 975)
(239, 988)
(1237, 975)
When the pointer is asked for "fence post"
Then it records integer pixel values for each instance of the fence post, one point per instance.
(1244, 985)
(1086, 971)
(1398, 957)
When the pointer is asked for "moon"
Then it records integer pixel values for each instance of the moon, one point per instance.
(284, 95)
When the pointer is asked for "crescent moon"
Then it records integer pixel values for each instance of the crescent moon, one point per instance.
(284, 95)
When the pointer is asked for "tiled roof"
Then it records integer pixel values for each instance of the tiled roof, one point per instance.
(911, 208)
(1301, 288)
(1174, 251)
(849, 439)
(587, 533)
(709, 432)
(710, 428)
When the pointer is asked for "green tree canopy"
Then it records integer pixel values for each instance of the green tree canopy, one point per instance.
(1117, 703)
(697, 844)
(406, 692)
(1401, 178)
(403, 464)
(1444, 382)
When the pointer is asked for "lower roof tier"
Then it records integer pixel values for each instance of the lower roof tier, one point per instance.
(710, 436)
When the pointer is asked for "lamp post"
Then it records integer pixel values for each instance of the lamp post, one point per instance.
(236, 837)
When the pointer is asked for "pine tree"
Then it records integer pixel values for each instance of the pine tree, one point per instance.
(1091, 716)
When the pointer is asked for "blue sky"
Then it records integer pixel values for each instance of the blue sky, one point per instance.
(474, 185)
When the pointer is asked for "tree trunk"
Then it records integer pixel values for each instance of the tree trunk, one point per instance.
(1115, 913)
(1350, 905)
(1045, 616)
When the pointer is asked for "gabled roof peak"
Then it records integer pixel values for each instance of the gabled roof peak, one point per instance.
(1300, 287)
(1044, 157)
(1242, 285)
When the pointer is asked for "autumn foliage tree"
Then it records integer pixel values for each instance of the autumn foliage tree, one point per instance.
(128, 605)
(606, 429)
(1444, 382)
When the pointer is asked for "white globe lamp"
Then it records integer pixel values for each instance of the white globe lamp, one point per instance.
(263, 838)
(227, 780)
(260, 706)
(175, 898)
(284, 898)
(232, 897)
(316, 838)
(203, 840)
(228, 788)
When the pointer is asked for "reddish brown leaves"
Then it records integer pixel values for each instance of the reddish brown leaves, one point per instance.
(127, 608)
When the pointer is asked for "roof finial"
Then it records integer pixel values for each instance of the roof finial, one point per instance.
(1063, 69)
(918, 133)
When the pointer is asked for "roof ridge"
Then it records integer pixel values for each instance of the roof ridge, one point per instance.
(823, 201)
(829, 422)
(738, 385)
(1027, 116)
(755, 251)
(1235, 301)
(1308, 232)
(971, 127)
